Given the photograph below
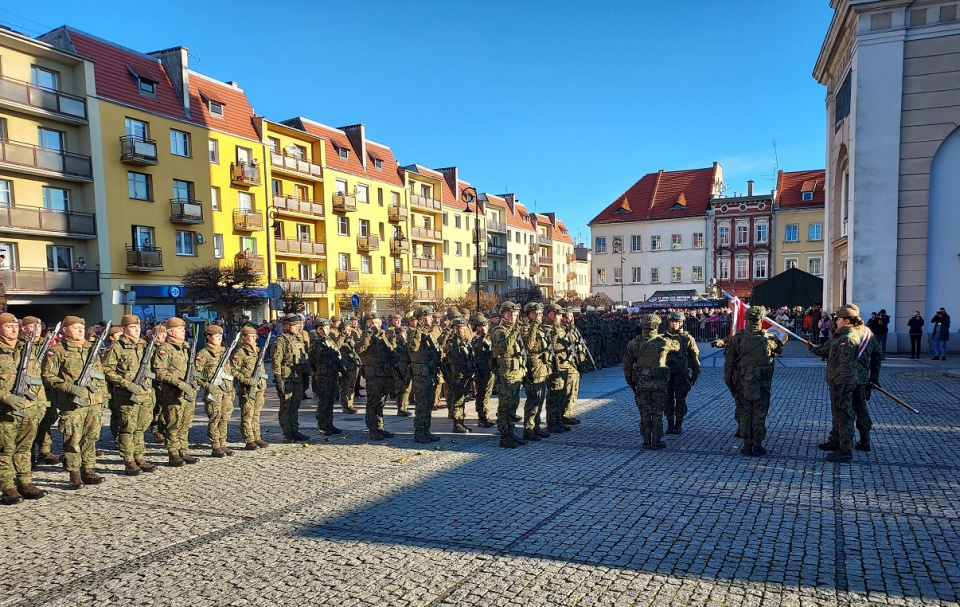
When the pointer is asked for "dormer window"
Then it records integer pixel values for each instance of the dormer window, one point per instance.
(343, 152)
(807, 196)
(148, 88)
(216, 109)
(378, 164)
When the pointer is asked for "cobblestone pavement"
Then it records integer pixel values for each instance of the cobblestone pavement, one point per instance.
(582, 518)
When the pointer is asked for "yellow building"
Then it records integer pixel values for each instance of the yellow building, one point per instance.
(425, 190)
(542, 249)
(564, 258)
(460, 236)
(798, 217)
(49, 216)
(495, 223)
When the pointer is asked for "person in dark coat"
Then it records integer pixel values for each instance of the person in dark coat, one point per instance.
(940, 334)
(915, 325)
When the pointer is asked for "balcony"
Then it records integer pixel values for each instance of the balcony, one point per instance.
(345, 278)
(425, 234)
(401, 280)
(426, 264)
(545, 261)
(244, 174)
(533, 264)
(303, 286)
(496, 226)
(301, 248)
(185, 211)
(43, 222)
(571, 257)
(28, 158)
(301, 208)
(247, 221)
(368, 243)
(42, 101)
(144, 260)
(298, 166)
(399, 247)
(344, 203)
(481, 261)
(428, 295)
(544, 239)
(479, 236)
(422, 202)
(497, 275)
(571, 276)
(254, 262)
(137, 150)
(43, 282)
(398, 213)
(496, 250)
(534, 249)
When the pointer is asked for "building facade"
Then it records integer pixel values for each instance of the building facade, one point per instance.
(798, 221)
(498, 266)
(425, 188)
(741, 230)
(582, 267)
(524, 268)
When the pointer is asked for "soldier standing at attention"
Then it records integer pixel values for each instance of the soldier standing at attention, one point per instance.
(218, 402)
(375, 352)
(348, 382)
(289, 361)
(843, 378)
(564, 367)
(252, 380)
(112, 336)
(325, 363)
(539, 367)
(134, 402)
(684, 371)
(748, 372)
(508, 350)
(573, 373)
(19, 415)
(483, 351)
(177, 397)
(79, 423)
(43, 442)
(157, 427)
(646, 372)
(396, 336)
(870, 357)
(461, 367)
(425, 362)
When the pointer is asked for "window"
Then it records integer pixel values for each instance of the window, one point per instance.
(378, 164)
(724, 269)
(601, 276)
(789, 263)
(655, 275)
(760, 233)
(182, 190)
(601, 246)
(365, 264)
(147, 88)
(341, 187)
(54, 199)
(364, 229)
(213, 151)
(363, 191)
(760, 268)
(446, 247)
(636, 275)
(215, 198)
(813, 266)
(468, 249)
(446, 275)
(743, 234)
(676, 275)
(806, 196)
(655, 243)
(815, 232)
(617, 276)
(301, 192)
(697, 274)
(344, 262)
(380, 196)
(457, 221)
(676, 241)
(136, 129)
(142, 237)
(218, 246)
(304, 272)
(274, 144)
(459, 275)
(742, 268)
(297, 151)
(723, 235)
(44, 78)
(303, 232)
(395, 199)
(216, 108)
(458, 248)
(918, 16)
(469, 276)
(139, 186)
(6, 192)
(636, 243)
(698, 240)
(343, 226)
(841, 104)
(50, 139)
(948, 13)
(244, 155)
(343, 152)
(792, 232)
(185, 243)
(445, 219)
(179, 143)
(59, 259)
(245, 201)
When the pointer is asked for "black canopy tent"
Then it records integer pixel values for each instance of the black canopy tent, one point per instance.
(686, 298)
(791, 288)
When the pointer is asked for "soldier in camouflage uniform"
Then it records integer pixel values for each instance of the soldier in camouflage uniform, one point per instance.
(539, 368)
(218, 402)
(483, 351)
(19, 415)
(843, 379)
(289, 362)
(112, 336)
(176, 396)
(79, 423)
(252, 382)
(134, 402)
(396, 336)
(578, 359)
(748, 372)
(594, 338)
(325, 362)
(44, 441)
(425, 363)
(461, 368)
(349, 335)
(869, 360)
(564, 365)
(510, 354)
(684, 371)
(157, 427)
(375, 352)
(646, 372)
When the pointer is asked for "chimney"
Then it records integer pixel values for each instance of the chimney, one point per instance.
(176, 62)
(357, 134)
(750, 188)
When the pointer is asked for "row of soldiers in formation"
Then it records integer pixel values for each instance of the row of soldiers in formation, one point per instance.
(607, 335)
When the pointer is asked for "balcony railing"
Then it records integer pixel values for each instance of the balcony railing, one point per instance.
(427, 264)
(286, 204)
(36, 158)
(401, 280)
(345, 278)
(368, 243)
(137, 150)
(496, 250)
(248, 221)
(37, 219)
(253, 262)
(398, 213)
(545, 261)
(481, 261)
(533, 263)
(144, 260)
(571, 276)
(479, 236)
(423, 202)
(243, 173)
(300, 247)
(534, 249)
(185, 211)
(306, 286)
(295, 165)
(544, 239)
(42, 98)
(428, 295)
(496, 226)
(344, 203)
(425, 234)
(571, 257)
(498, 275)
(40, 280)
(399, 247)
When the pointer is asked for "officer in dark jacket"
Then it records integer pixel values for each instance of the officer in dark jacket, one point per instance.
(684, 371)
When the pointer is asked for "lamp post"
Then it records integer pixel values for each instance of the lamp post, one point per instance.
(469, 196)
(398, 239)
(273, 216)
(618, 249)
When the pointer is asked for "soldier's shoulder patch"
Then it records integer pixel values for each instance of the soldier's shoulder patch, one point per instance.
(199, 358)
(49, 353)
(843, 344)
(163, 351)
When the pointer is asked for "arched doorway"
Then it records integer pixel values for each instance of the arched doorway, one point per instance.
(943, 252)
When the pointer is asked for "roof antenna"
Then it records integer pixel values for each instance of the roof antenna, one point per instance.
(776, 159)
(197, 56)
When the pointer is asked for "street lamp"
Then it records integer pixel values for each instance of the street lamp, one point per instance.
(469, 196)
(398, 240)
(618, 249)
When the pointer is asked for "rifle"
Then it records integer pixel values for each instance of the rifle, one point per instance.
(337, 357)
(586, 349)
(895, 399)
(144, 368)
(259, 371)
(21, 384)
(191, 375)
(48, 341)
(221, 373)
(86, 375)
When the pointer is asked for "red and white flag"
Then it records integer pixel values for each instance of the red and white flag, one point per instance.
(738, 318)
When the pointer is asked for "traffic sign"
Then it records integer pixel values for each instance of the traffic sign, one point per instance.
(274, 291)
(355, 301)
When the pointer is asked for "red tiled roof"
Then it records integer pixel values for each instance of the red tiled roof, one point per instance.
(790, 188)
(561, 233)
(516, 219)
(449, 197)
(656, 196)
(112, 65)
(337, 139)
(237, 113)
(495, 201)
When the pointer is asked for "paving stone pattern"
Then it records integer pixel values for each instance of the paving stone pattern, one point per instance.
(583, 518)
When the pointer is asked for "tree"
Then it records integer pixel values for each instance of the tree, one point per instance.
(366, 302)
(405, 302)
(227, 290)
(570, 299)
(524, 295)
(488, 301)
(292, 302)
(599, 300)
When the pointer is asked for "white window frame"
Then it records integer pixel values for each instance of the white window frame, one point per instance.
(218, 246)
(601, 276)
(213, 151)
(761, 232)
(617, 276)
(819, 227)
(186, 243)
(636, 275)
(795, 228)
(216, 109)
(636, 243)
(744, 230)
(790, 260)
(676, 274)
(724, 269)
(698, 240)
(53, 258)
(363, 193)
(676, 241)
(343, 262)
(458, 249)
(366, 267)
(458, 273)
(343, 226)
(744, 264)
(724, 236)
(819, 261)
(214, 198)
(180, 143)
(697, 274)
(600, 245)
(761, 268)
(49, 202)
(364, 228)
(655, 276)
(656, 243)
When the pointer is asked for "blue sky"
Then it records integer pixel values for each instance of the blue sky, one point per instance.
(564, 103)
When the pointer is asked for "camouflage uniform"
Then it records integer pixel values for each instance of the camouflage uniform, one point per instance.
(348, 381)
(403, 379)
(218, 403)
(646, 372)
(868, 366)
(252, 383)
(483, 352)
(176, 397)
(425, 363)
(289, 362)
(539, 367)
(325, 362)
(375, 352)
(461, 367)
(561, 382)
(18, 433)
(509, 352)
(134, 402)
(684, 371)
(577, 358)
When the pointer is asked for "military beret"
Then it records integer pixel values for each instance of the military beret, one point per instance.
(509, 306)
(493, 314)
(532, 306)
(174, 322)
(7, 317)
(849, 311)
(423, 311)
(129, 319)
(479, 320)
(161, 328)
(29, 320)
(114, 330)
(676, 316)
(213, 330)
(321, 322)
(248, 330)
(459, 321)
(453, 313)
(73, 320)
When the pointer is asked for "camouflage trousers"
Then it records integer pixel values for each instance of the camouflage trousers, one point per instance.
(157, 426)
(16, 439)
(559, 395)
(114, 421)
(251, 403)
(218, 415)
(134, 421)
(377, 386)
(177, 420)
(841, 404)
(291, 394)
(484, 381)
(457, 399)
(44, 441)
(863, 422)
(573, 389)
(536, 392)
(403, 394)
(80, 427)
(348, 385)
(650, 403)
(752, 420)
(326, 388)
(424, 395)
(677, 389)
(509, 400)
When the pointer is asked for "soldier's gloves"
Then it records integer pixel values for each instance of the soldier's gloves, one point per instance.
(693, 379)
(77, 391)
(133, 388)
(14, 402)
(718, 343)
(190, 392)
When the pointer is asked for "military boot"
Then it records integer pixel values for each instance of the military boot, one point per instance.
(647, 444)
(387, 433)
(404, 413)
(89, 477)
(840, 456)
(159, 438)
(759, 450)
(48, 459)
(863, 445)
(746, 450)
(187, 458)
(251, 446)
(263, 444)
(11, 496)
(515, 418)
(658, 444)
(459, 428)
(297, 435)
(678, 426)
(423, 439)
(555, 429)
(670, 426)
(530, 435)
(75, 481)
(227, 451)
(507, 441)
(32, 492)
(146, 466)
(570, 421)
(519, 441)
(217, 452)
(483, 422)
(176, 461)
(541, 432)
(829, 445)
(131, 469)
(376, 435)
